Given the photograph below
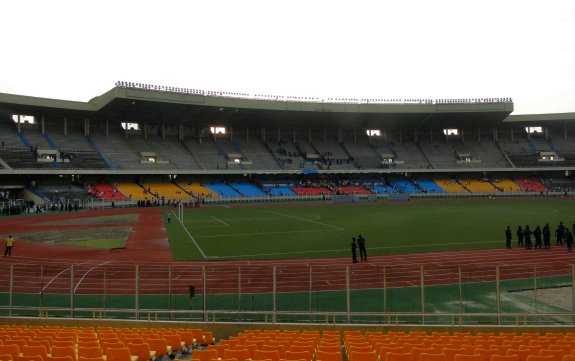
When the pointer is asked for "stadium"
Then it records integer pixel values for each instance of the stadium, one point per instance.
(156, 222)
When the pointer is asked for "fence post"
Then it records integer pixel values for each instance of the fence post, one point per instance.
(460, 278)
(422, 282)
(41, 290)
(274, 295)
(498, 294)
(170, 290)
(204, 295)
(137, 296)
(11, 293)
(573, 291)
(240, 289)
(535, 294)
(72, 291)
(347, 294)
(384, 290)
(310, 287)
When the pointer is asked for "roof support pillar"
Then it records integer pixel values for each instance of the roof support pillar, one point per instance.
(163, 131)
(294, 139)
(546, 134)
(180, 132)
(462, 136)
(65, 125)
(263, 134)
(42, 125)
(431, 135)
(19, 122)
(511, 133)
(340, 135)
(231, 134)
(107, 129)
(145, 130)
(401, 137)
(495, 134)
(87, 127)
(324, 136)
(478, 135)
(564, 131)
(309, 135)
(247, 135)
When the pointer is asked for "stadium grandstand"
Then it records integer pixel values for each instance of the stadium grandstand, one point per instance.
(168, 149)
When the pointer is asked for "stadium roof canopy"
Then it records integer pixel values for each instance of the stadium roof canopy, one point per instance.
(136, 104)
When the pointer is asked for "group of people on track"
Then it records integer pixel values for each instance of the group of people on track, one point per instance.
(355, 244)
(540, 238)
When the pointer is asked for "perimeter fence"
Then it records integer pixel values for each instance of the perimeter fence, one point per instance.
(273, 293)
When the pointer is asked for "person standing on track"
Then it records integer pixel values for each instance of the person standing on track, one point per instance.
(560, 233)
(546, 237)
(353, 250)
(9, 245)
(508, 238)
(569, 240)
(527, 235)
(537, 235)
(519, 236)
(362, 250)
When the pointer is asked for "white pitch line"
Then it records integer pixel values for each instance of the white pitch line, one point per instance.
(219, 220)
(85, 274)
(343, 249)
(192, 238)
(256, 233)
(305, 220)
(58, 275)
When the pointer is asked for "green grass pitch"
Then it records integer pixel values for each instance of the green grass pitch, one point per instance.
(323, 230)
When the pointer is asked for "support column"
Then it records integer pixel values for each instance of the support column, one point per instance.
(498, 294)
(478, 135)
(107, 129)
(422, 282)
(145, 130)
(163, 131)
(42, 125)
(247, 135)
(231, 134)
(65, 125)
(511, 133)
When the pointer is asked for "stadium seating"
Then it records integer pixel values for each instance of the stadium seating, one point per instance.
(166, 190)
(451, 186)
(530, 185)
(247, 189)
(308, 191)
(222, 189)
(429, 186)
(198, 189)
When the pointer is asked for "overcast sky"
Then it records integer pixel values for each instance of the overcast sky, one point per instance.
(76, 50)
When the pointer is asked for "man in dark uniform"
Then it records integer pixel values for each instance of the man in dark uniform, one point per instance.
(546, 237)
(569, 240)
(537, 235)
(560, 233)
(353, 250)
(519, 236)
(362, 250)
(527, 236)
(508, 238)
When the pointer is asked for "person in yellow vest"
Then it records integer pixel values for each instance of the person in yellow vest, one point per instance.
(9, 245)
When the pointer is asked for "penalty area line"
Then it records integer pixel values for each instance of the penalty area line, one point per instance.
(305, 220)
(343, 250)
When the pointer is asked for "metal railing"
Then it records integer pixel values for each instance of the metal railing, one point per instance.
(338, 294)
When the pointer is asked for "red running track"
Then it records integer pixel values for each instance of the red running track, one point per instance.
(114, 272)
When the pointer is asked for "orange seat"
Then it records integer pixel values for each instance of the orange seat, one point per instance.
(159, 345)
(474, 357)
(219, 349)
(173, 340)
(568, 358)
(363, 356)
(64, 351)
(540, 358)
(424, 356)
(328, 356)
(30, 358)
(35, 351)
(205, 355)
(12, 350)
(142, 350)
(504, 358)
(60, 358)
(273, 355)
(557, 354)
(239, 354)
(118, 354)
(416, 351)
(90, 352)
(6, 357)
(298, 355)
(397, 356)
